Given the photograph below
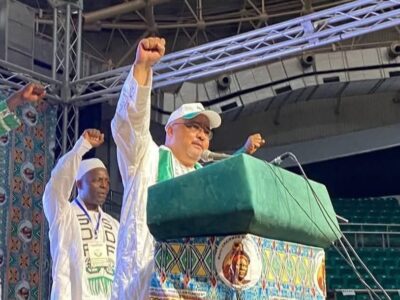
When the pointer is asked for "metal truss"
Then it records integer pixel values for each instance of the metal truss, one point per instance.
(252, 48)
(195, 21)
(14, 77)
(277, 41)
(67, 38)
(67, 29)
(185, 23)
(227, 55)
(67, 129)
(67, 20)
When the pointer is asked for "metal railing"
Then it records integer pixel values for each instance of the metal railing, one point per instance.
(372, 235)
(351, 293)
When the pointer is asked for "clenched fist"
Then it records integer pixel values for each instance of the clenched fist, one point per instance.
(253, 142)
(32, 92)
(150, 51)
(29, 93)
(94, 137)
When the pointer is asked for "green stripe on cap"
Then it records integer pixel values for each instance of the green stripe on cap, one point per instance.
(191, 115)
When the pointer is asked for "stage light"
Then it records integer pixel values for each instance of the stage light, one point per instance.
(223, 82)
(394, 50)
(307, 60)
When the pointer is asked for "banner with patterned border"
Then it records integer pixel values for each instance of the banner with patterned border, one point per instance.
(237, 267)
(26, 160)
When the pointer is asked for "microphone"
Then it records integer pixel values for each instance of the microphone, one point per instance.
(279, 159)
(208, 156)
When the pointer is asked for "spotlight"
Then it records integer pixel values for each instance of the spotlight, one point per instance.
(394, 50)
(223, 82)
(307, 60)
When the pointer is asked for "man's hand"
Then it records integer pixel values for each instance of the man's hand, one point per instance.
(148, 53)
(253, 142)
(94, 137)
(30, 93)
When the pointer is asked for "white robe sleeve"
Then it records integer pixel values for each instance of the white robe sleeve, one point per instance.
(131, 127)
(57, 210)
(137, 156)
(59, 188)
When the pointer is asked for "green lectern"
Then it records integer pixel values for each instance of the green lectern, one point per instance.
(240, 229)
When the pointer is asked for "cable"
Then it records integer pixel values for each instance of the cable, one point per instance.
(349, 260)
(323, 210)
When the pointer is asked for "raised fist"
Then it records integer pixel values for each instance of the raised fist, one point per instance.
(150, 51)
(32, 92)
(94, 137)
(29, 93)
(253, 142)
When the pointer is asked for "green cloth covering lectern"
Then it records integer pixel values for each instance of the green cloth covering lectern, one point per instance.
(240, 229)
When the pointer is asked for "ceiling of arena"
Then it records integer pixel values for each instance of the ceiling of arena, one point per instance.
(112, 28)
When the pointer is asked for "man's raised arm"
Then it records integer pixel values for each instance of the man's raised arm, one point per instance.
(131, 123)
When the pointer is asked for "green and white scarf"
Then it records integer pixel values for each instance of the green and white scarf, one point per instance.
(165, 165)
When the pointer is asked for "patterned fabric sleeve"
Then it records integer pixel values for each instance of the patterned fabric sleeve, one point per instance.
(8, 120)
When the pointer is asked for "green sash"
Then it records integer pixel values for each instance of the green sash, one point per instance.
(165, 165)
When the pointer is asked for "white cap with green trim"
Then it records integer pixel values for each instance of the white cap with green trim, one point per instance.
(191, 110)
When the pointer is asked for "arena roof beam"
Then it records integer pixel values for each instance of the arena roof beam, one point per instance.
(119, 9)
(260, 46)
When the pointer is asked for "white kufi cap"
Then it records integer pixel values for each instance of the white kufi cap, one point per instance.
(89, 164)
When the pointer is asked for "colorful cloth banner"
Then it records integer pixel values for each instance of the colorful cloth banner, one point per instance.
(237, 267)
(26, 160)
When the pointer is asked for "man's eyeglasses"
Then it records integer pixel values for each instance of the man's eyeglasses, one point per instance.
(196, 127)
